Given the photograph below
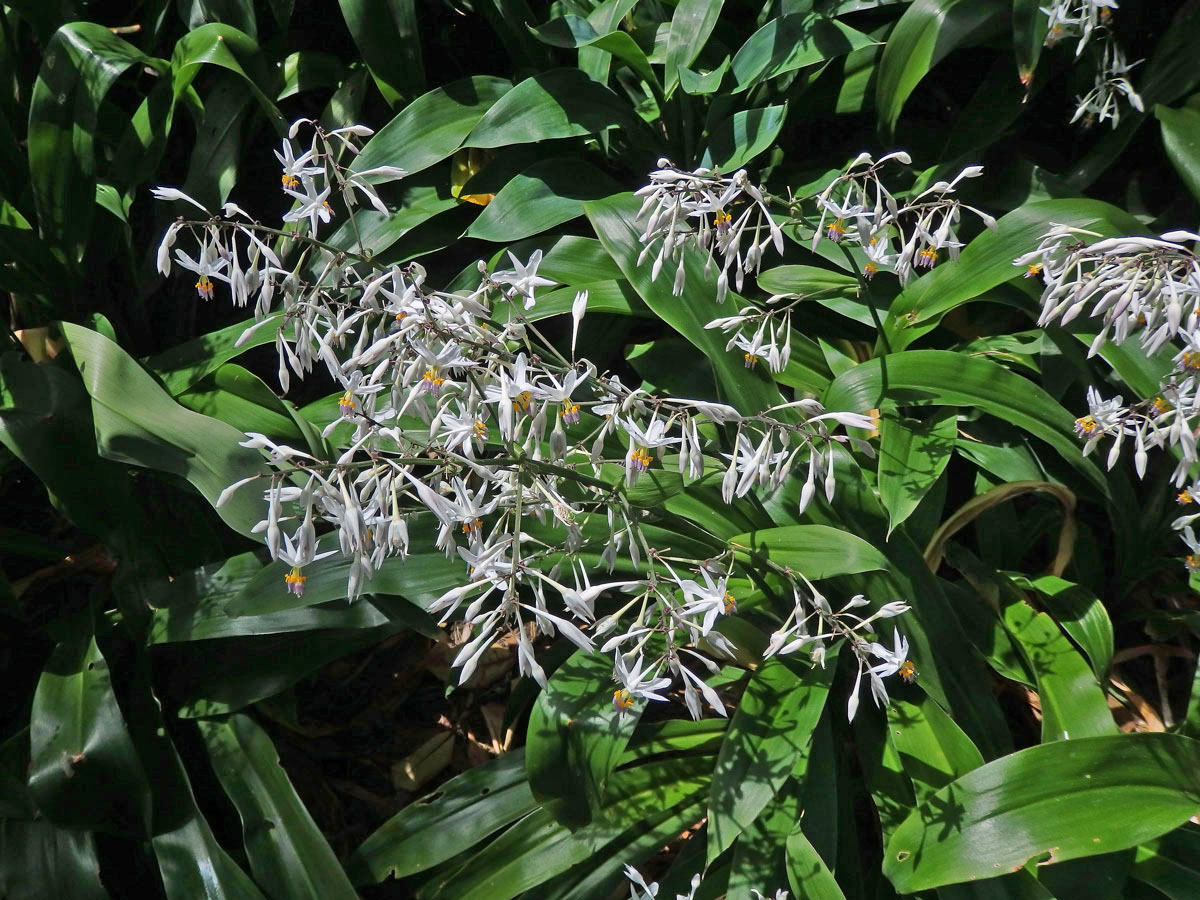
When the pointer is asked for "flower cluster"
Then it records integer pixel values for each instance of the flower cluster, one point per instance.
(1083, 19)
(857, 208)
(457, 416)
(731, 219)
(1133, 286)
(640, 890)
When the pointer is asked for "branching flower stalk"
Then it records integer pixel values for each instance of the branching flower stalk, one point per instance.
(1133, 287)
(464, 422)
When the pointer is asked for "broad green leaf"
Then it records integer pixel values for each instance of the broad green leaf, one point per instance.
(575, 737)
(759, 854)
(433, 126)
(1082, 615)
(183, 365)
(389, 38)
(240, 398)
(537, 848)
(791, 42)
(928, 30)
(45, 421)
(613, 221)
(228, 48)
(1055, 802)
(285, 848)
(40, 860)
(576, 32)
(943, 378)
(808, 876)
(988, 262)
(138, 423)
(309, 70)
(931, 747)
(213, 165)
(735, 141)
(816, 550)
(559, 103)
(706, 83)
(832, 290)
(84, 771)
(913, 453)
(1072, 701)
(452, 819)
(546, 194)
(691, 25)
(1181, 139)
(1171, 863)
(376, 234)
(80, 64)
(768, 734)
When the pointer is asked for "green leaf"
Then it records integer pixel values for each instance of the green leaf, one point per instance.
(285, 848)
(388, 37)
(433, 126)
(1073, 704)
(913, 453)
(240, 398)
(816, 550)
(575, 737)
(1171, 864)
(691, 25)
(84, 771)
(928, 30)
(1181, 139)
(183, 365)
(988, 262)
(808, 876)
(452, 819)
(559, 103)
(735, 141)
(1082, 615)
(791, 42)
(613, 221)
(572, 31)
(39, 860)
(1054, 802)
(138, 423)
(80, 64)
(548, 193)
(228, 48)
(932, 749)
(944, 378)
(768, 734)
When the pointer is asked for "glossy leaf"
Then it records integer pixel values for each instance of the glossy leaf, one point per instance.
(988, 261)
(949, 379)
(791, 42)
(387, 34)
(816, 550)
(556, 104)
(1055, 802)
(808, 876)
(40, 860)
(768, 734)
(932, 749)
(575, 738)
(1181, 139)
(80, 64)
(1171, 863)
(913, 453)
(928, 30)
(1082, 615)
(546, 194)
(183, 365)
(84, 771)
(735, 141)
(433, 126)
(576, 32)
(447, 822)
(691, 25)
(285, 847)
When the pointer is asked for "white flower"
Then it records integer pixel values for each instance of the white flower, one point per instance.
(314, 205)
(524, 279)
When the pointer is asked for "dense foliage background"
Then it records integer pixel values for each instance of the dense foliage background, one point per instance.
(176, 724)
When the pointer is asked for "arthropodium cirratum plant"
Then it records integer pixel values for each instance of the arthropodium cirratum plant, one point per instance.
(479, 420)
